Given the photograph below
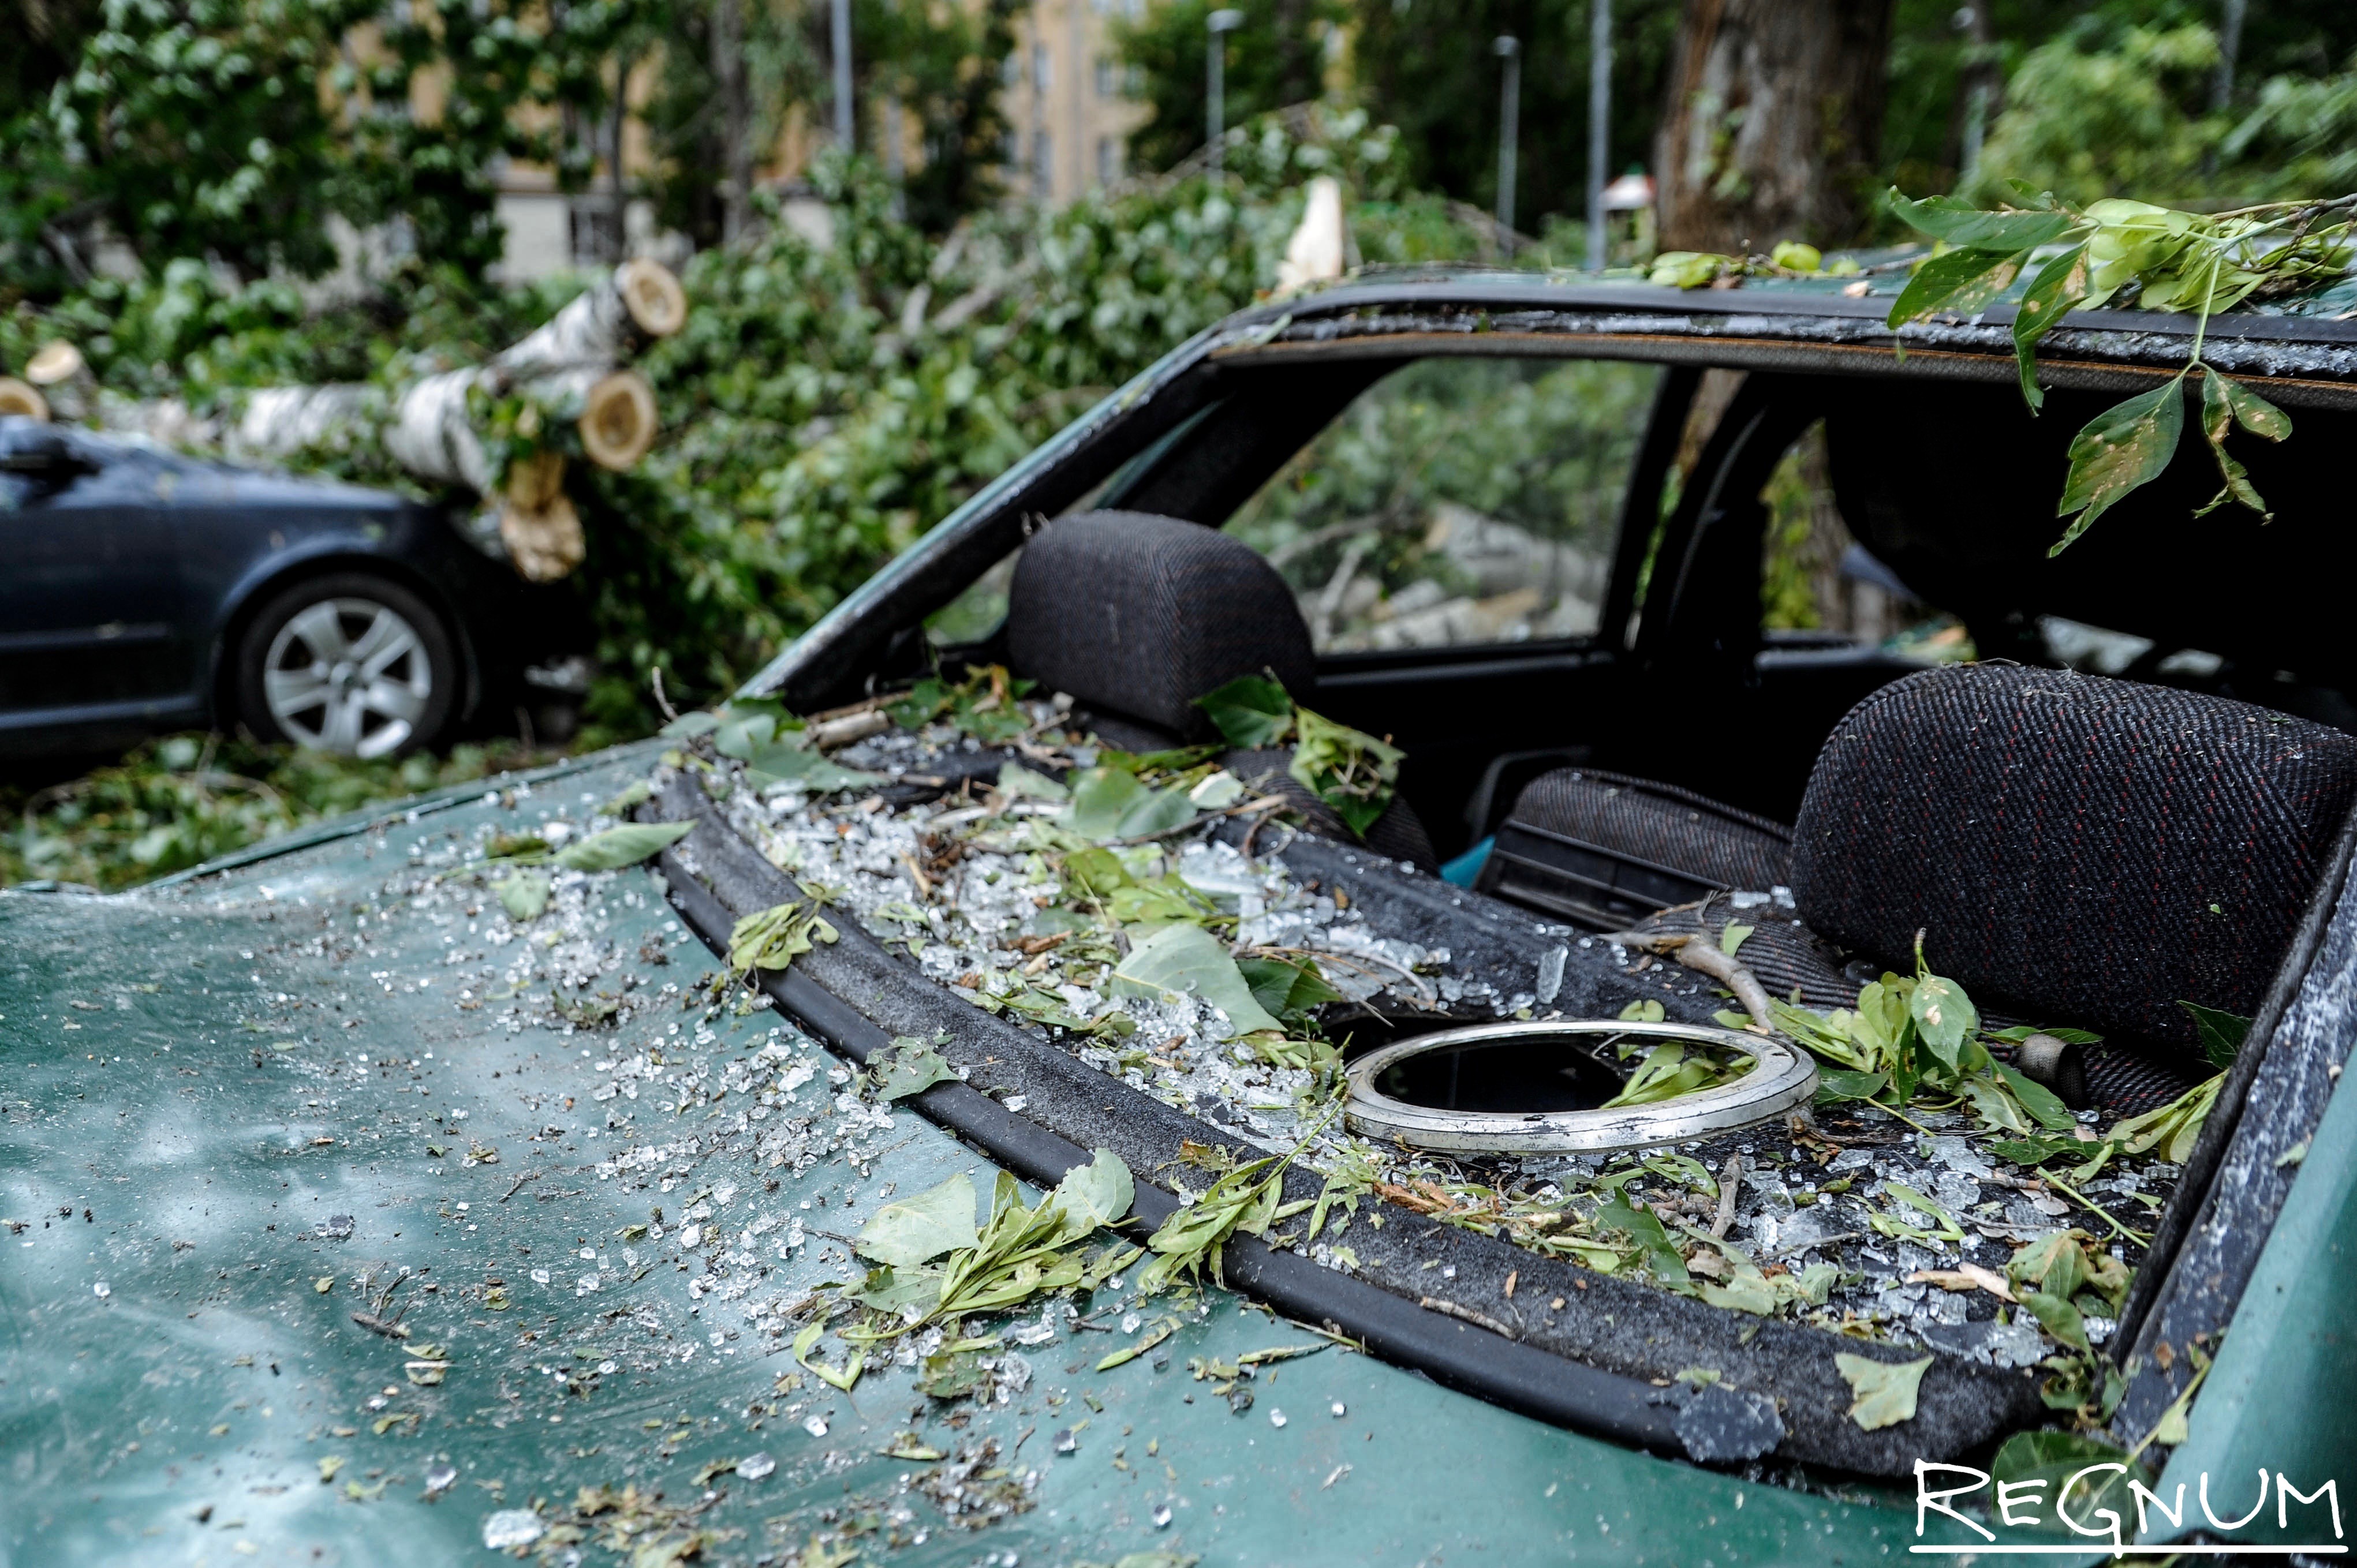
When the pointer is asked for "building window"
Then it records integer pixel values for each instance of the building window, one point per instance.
(1041, 74)
(1108, 159)
(1043, 164)
(1108, 76)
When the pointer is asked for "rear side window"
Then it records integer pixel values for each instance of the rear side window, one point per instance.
(1457, 501)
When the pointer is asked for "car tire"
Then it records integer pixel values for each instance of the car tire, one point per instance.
(350, 663)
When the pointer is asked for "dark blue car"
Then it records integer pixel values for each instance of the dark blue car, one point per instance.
(145, 591)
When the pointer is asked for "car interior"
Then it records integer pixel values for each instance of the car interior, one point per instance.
(1548, 582)
(1668, 650)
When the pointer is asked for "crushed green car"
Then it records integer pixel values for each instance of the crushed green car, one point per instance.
(1303, 979)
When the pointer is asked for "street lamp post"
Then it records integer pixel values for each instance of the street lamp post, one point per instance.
(1215, 88)
(841, 31)
(1510, 114)
(1599, 125)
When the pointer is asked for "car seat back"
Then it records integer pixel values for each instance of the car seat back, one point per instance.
(1140, 615)
(2077, 848)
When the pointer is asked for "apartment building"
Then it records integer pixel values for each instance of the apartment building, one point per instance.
(1070, 104)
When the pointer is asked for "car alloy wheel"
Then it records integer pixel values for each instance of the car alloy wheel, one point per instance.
(348, 675)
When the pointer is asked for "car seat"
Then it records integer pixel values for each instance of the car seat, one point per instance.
(1134, 616)
(2075, 850)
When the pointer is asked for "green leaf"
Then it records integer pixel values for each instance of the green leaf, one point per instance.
(2222, 1033)
(2041, 1102)
(1732, 938)
(1883, 1392)
(773, 938)
(1099, 796)
(2055, 1457)
(1997, 1107)
(742, 733)
(1959, 282)
(1837, 1084)
(524, 894)
(841, 1377)
(2058, 1316)
(2171, 1130)
(1091, 1196)
(1017, 782)
(2061, 286)
(912, 1068)
(1145, 1342)
(1351, 771)
(910, 1230)
(2020, 1032)
(952, 1374)
(1286, 988)
(2126, 445)
(1959, 223)
(784, 762)
(1648, 1011)
(1944, 1016)
(1186, 960)
(626, 846)
(1156, 811)
(1644, 1228)
(2225, 405)
(1251, 711)
(2252, 412)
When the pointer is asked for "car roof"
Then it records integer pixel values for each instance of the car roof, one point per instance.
(2310, 337)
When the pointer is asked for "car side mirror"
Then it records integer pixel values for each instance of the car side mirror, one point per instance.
(39, 449)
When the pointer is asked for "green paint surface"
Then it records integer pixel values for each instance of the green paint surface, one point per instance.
(211, 1070)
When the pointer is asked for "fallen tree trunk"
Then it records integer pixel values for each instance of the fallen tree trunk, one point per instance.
(567, 371)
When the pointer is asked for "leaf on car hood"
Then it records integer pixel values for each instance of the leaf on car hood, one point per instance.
(911, 1230)
(626, 846)
(524, 894)
(1092, 1195)
(1187, 959)
(1885, 1390)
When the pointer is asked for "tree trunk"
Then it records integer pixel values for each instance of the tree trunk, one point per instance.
(1772, 122)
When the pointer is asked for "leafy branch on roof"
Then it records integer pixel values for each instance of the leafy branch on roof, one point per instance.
(2156, 258)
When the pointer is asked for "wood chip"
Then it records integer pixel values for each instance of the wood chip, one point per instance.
(1964, 1276)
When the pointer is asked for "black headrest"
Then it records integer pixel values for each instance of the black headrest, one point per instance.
(2089, 851)
(1142, 615)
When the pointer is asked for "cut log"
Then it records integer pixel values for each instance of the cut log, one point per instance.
(21, 398)
(638, 302)
(618, 420)
(544, 542)
(430, 435)
(281, 420)
(58, 367)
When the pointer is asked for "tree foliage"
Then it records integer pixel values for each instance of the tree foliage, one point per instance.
(816, 421)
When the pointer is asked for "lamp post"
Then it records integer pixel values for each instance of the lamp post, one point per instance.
(1509, 48)
(841, 31)
(1599, 125)
(1215, 91)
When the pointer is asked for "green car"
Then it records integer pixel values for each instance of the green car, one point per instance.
(1316, 975)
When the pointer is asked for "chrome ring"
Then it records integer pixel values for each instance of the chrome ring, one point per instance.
(1782, 1077)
